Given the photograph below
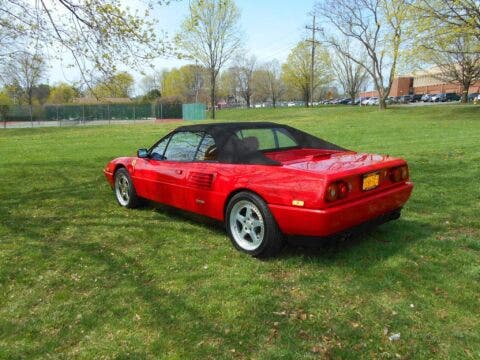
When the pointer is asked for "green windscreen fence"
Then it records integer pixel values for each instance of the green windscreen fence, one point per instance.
(194, 111)
(94, 112)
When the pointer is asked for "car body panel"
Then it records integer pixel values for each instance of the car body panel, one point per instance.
(160, 181)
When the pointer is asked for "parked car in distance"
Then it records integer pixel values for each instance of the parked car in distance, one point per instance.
(438, 98)
(372, 101)
(404, 99)
(364, 100)
(452, 97)
(389, 100)
(416, 97)
(264, 181)
(425, 97)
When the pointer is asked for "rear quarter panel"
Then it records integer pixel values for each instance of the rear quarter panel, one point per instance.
(274, 184)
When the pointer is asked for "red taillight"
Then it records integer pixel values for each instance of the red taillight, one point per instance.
(337, 190)
(399, 173)
(342, 189)
(332, 192)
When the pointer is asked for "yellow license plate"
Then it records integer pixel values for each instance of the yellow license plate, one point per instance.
(370, 181)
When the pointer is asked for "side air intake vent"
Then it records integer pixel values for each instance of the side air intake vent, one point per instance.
(201, 180)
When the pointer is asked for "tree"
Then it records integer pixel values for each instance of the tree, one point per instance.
(210, 34)
(456, 59)
(185, 83)
(273, 81)
(376, 26)
(14, 91)
(25, 70)
(41, 92)
(5, 104)
(193, 77)
(296, 72)
(98, 34)
(227, 88)
(9, 43)
(269, 82)
(242, 72)
(462, 17)
(173, 85)
(119, 85)
(62, 94)
(444, 39)
(352, 76)
(152, 95)
(152, 84)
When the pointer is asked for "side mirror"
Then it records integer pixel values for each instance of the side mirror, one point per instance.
(142, 153)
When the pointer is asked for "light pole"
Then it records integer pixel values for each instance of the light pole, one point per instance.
(312, 64)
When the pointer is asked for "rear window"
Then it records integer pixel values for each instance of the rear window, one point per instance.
(267, 138)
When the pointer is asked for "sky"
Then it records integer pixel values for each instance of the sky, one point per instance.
(270, 27)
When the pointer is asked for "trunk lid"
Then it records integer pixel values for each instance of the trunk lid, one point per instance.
(351, 168)
(343, 163)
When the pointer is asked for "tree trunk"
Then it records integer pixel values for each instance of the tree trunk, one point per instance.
(465, 88)
(274, 102)
(212, 92)
(248, 101)
(352, 97)
(30, 101)
(31, 114)
(382, 105)
(3, 113)
(306, 97)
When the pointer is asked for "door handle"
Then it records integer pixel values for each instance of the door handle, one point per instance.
(179, 172)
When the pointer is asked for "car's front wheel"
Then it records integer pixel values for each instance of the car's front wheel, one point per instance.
(124, 189)
(251, 226)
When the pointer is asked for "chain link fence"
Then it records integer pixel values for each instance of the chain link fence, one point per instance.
(74, 114)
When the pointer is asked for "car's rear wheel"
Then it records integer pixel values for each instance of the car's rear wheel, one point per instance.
(251, 226)
(124, 190)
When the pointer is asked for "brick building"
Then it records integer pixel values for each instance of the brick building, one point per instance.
(423, 82)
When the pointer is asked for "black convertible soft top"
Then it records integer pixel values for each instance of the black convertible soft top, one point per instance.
(237, 150)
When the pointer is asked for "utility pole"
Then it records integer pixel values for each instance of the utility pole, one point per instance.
(312, 64)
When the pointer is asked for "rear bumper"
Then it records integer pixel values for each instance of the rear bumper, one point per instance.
(327, 222)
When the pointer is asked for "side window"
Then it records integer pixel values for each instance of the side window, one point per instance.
(284, 139)
(257, 139)
(266, 138)
(183, 146)
(207, 150)
(157, 152)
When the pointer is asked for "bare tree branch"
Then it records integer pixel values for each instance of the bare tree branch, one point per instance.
(98, 34)
(372, 25)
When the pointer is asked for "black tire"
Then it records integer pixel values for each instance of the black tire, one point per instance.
(124, 190)
(261, 236)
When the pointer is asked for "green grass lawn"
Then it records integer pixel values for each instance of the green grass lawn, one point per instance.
(82, 277)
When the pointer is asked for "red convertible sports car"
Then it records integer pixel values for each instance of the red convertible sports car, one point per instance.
(264, 181)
